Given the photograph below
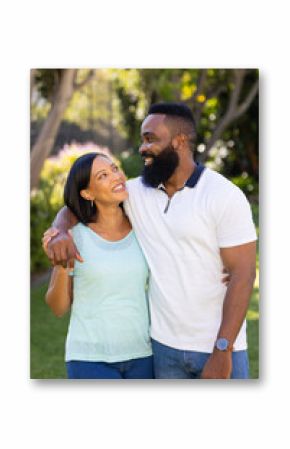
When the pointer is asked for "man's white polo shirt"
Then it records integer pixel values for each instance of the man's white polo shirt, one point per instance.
(181, 238)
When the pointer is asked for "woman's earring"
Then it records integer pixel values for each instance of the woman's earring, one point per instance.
(92, 203)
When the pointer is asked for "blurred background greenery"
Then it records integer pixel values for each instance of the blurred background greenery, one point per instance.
(74, 111)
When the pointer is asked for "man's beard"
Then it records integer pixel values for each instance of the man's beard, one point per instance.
(162, 167)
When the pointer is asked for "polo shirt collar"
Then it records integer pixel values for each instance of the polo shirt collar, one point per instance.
(192, 180)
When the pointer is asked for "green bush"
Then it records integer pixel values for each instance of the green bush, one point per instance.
(47, 199)
(42, 213)
(131, 163)
(247, 184)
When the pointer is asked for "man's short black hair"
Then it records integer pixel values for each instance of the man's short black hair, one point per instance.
(179, 119)
(173, 109)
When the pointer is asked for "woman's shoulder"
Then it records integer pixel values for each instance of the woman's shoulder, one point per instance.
(78, 231)
(79, 227)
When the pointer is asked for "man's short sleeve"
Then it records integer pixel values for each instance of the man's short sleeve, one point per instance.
(235, 225)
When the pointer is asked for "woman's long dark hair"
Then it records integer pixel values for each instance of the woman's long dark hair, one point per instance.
(77, 180)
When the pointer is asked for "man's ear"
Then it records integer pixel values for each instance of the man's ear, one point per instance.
(178, 141)
(175, 142)
(86, 194)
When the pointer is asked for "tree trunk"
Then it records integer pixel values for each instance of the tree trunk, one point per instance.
(253, 159)
(47, 135)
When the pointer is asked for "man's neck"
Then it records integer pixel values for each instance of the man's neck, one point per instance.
(179, 177)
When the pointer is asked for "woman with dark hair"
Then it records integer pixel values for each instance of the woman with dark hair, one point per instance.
(108, 336)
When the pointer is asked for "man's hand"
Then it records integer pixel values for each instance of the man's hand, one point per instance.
(60, 248)
(47, 236)
(218, 366)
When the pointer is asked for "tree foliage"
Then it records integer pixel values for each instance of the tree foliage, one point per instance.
(57, 86)
(115, 101)
(224, 103)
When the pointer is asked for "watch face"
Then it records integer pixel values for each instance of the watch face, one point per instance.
(222, 344)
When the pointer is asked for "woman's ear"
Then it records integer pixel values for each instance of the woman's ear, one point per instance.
(85, 194)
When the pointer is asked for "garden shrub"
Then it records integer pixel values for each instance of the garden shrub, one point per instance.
(247, 184)
(132, 164)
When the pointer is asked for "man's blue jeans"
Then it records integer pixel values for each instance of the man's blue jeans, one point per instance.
(131, 369)
(170, 363)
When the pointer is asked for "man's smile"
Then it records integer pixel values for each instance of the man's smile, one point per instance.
(148, 160)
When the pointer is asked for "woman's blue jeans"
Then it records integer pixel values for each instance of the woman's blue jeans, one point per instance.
(141, 368)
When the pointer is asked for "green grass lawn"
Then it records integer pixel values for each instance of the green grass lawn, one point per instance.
(253, 334)
(48, 338)
(47, 335)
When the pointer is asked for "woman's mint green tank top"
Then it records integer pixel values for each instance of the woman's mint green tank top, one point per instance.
(109, 315)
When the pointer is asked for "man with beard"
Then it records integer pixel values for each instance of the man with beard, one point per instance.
(190, 222)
